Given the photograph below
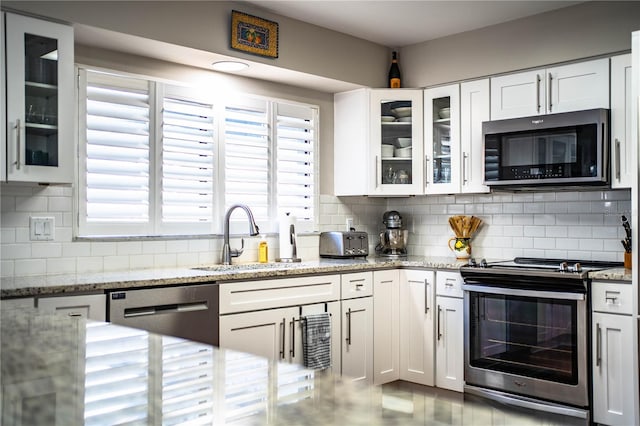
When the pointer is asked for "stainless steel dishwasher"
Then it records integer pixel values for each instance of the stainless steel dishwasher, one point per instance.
(190, 312)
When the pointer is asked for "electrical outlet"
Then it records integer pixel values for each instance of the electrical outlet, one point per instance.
(42, 228)
(349, 223)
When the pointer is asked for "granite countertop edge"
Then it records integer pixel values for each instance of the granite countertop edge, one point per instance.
(613, 274)
(70, 284)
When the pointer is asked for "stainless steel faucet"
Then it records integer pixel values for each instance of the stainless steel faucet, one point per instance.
(227, 251)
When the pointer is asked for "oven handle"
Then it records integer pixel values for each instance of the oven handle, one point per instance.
(525, 293)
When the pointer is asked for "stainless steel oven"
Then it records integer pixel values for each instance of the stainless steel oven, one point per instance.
(527, 334)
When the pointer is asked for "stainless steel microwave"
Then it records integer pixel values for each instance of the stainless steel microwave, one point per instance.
(552, 150)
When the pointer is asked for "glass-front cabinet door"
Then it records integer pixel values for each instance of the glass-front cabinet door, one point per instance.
(396, 142)
(40, 107)
(442, 139)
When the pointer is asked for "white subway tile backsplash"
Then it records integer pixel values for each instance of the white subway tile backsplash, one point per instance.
(60, 204)
(15, 251)
(142, 261)
(104, 249)
(76, 249)
(46, 250)
(125, 248)
(31, 204)
(591, 244)
(534, 231)
(63, 265)
(581, 225)
(576, 231)
(89, 264)
(25, 267)
(513, 208)
(544, 243)
(116, 263)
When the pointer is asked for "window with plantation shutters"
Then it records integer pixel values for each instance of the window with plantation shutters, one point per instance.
(160, 159)
(296, 133)
(188, 163)
(115, 181)
(247, 151)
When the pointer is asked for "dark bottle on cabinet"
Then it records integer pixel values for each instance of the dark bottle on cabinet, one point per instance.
(394, 73)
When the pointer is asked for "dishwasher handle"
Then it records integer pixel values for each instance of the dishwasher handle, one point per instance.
(165, 309)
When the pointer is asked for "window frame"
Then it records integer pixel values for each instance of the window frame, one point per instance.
(155, 229)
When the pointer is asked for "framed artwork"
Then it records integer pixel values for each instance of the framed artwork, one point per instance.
(254, 35)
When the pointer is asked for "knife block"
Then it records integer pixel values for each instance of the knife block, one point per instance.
(627, 260)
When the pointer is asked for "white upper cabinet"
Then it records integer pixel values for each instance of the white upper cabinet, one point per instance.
(40, 101)
(474, 109)
(442, 139)
(573, 87)
(453, 137)
(622, 161)
(378, 142)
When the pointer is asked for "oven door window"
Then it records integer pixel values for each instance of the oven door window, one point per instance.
(526, 336)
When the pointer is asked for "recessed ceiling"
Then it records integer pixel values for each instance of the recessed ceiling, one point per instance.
(398, 23)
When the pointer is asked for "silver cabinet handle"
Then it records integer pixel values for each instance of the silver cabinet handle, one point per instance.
(18, 137)
(292, 351)
(465, 160)
(426, 296)
(598, 345)
(282, 330)
(550, 79)
(538, 93)
(617, 147)
(348, 314)
(426, 170)
(377, 174)
(438, 321)
(348, 339)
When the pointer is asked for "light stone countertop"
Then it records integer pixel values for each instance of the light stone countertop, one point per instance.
(31, 286)
(614, 274)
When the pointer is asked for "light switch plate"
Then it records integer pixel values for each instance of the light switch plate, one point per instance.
(42, 228)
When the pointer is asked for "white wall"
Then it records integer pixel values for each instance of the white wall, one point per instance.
(588, 29)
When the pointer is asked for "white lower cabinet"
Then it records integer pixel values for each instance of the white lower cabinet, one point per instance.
(386, 326)
(357, 339)
(449, 334)
(615, 401)
(417, 313)
(91, 306)
(276, 334)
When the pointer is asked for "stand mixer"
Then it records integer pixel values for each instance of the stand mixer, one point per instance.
(393, 240)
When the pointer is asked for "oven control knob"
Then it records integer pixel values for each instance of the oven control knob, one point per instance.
(577, 267)
(483, 263)
(472, 262)
(564, 267)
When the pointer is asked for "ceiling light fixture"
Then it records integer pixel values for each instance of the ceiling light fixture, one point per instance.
(229, 66)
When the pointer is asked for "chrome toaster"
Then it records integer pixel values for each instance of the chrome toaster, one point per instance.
(344, 244)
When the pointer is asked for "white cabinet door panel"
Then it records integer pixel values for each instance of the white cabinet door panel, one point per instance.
(574, 87)
(449, 344)
(417, 312)
(613, 400)
(518, 95)
(357, 339)
(386, 327)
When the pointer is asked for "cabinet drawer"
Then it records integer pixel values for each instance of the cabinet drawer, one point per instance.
(265, 294)
(612, 297)
(449, 284)
(357, 285)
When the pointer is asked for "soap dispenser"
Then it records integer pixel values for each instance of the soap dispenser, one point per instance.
(263, 250)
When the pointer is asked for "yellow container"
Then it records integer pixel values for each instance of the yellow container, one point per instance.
(263, 251)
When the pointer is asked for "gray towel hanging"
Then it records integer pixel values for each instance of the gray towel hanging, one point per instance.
(316, 341)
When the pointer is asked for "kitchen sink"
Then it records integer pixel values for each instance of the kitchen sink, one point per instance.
(245, 267)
